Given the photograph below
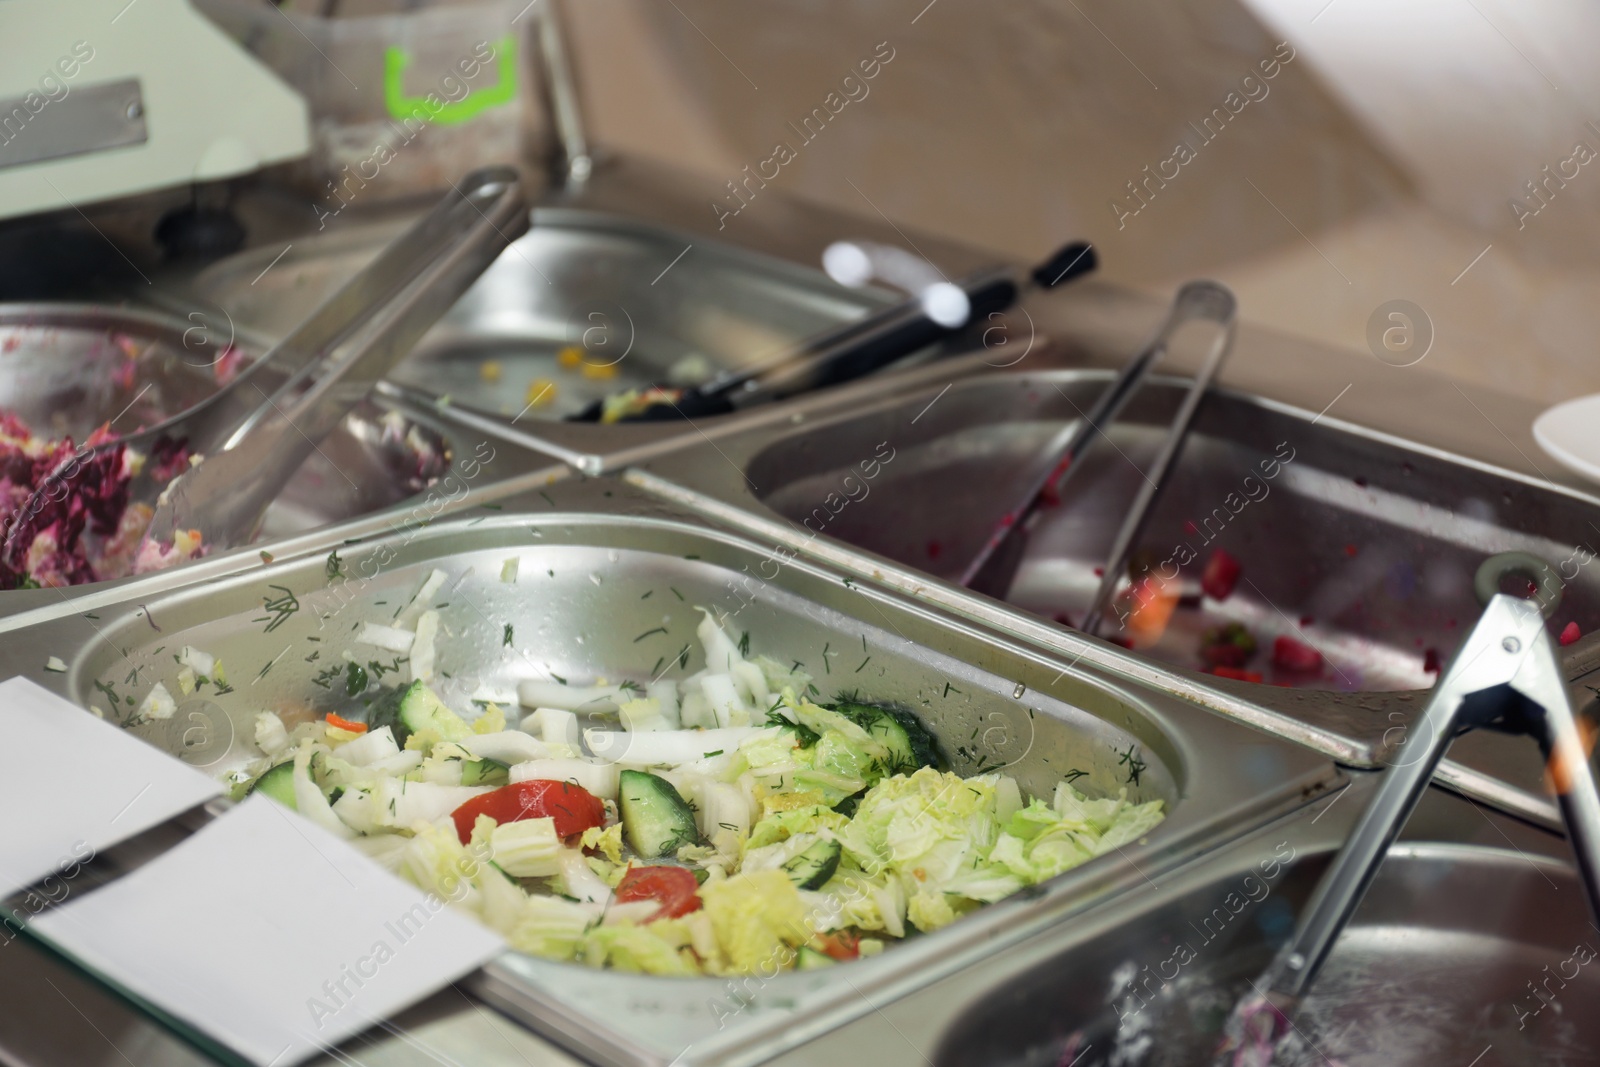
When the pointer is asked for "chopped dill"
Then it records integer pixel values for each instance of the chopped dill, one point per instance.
(282, 608)
(1135, 765)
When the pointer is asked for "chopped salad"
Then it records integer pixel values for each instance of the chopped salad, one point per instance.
(727, 822)
(90, 531)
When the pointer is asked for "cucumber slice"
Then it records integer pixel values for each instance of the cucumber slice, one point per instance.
(485, 772)
(813, 867)
(415, 708)
(909, 743)
(656, 820)
(278, 783)
(809, 959)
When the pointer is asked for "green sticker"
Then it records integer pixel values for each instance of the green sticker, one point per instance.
(401, 106)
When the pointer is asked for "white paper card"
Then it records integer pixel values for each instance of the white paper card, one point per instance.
(271, 935)
(72, 785)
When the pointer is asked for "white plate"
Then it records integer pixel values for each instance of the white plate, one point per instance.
(1570, 433)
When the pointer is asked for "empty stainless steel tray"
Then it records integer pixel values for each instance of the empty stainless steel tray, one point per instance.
(601, 572)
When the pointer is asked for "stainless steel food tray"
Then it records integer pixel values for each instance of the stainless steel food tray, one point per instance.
(634, 299)
(70, 368)
(1374, 537)
(361, 479)
(601, 571)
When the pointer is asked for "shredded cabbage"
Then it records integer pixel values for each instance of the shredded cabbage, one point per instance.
(640, 949)
(607, 841)
(759, 919)
(528, 848)
(782, 825)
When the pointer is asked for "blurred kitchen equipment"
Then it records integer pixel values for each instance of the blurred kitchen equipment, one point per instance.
(404, 96)
(994, 568)
(1505, 676)
(95, 116)
(858, 348)
(857, 263)
(225, 496)
(277, 410)
(571, 156)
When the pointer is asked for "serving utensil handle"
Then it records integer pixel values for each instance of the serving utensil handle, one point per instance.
(377, 318)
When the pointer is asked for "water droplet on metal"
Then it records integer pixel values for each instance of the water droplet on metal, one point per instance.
(595, 578)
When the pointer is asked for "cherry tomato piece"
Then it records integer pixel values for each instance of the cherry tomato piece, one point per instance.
(840, 945)
(1221, 575)
(674, 888)
(573, 808)
(1294, 655)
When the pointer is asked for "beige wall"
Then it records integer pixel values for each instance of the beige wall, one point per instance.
(1379, 164)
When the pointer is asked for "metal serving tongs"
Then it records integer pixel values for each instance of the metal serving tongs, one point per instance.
(1506, 677)
(994, 568)
(224, 497)
(254, 434)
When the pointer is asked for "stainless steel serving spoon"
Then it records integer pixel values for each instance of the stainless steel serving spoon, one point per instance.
(253, 435)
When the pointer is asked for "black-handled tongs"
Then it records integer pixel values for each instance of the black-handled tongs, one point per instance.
(843, 353)
(1505, 677)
